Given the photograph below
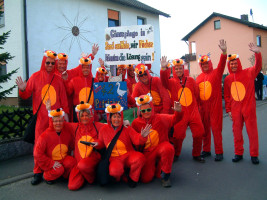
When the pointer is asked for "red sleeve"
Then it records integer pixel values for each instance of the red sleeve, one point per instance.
(172, 119)
(136, 92)
(136, 138)
(164, 77)
(165, 97)
(255, 70)
(196, 92)
(40, 156)
(63, 97)
(29, 88)
(69, 85)
(221, 65)
(100, 138)
(227, 95)
(74, 72)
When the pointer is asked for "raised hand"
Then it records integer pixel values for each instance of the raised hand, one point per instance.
(253, 48)
(95, 49)
(145, 132)
(21, 84)
(230, 115)
(177, 106)
(163, 62)
(64, 75)
(101, 62)
(223, 46)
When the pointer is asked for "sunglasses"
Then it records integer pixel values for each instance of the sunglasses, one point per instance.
(145, 74)
(48, 63)
(146, 110)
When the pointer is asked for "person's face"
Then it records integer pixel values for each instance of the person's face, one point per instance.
(86, 70)
(131, 72)
(101, 77)
(58, 123)
(179, 70)
(49, 64)
(116, 120)
(205, 66)
(85, 118)
(146, 111)
(143, 78)
(119, 71)
(62, 66)
(233, 65)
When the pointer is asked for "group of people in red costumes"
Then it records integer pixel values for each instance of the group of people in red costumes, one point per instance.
(70, 139)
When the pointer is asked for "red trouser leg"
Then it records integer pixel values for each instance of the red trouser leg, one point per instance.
(87, 166)
(116, 166)
(53, 174)
(164, 153)
(68, 163)
(135, 161)
(76, 179)
(216, 127)
(238, 122)
(252, 130)
(197, 130)
(179, 136)
(207, 132)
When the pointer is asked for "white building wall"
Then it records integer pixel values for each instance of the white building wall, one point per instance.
(44, 18)
(15, 43)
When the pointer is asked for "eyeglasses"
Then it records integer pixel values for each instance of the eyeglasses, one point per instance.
(48, 63)
(146, 110)
(145, 74)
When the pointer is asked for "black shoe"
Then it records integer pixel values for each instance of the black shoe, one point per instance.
(49, 182)
(199, 159)
(37, 178)
(218, 157)
(176, 158)
(205, 154)
(255, 160)
(237, 158)
(166, 183)
(131, 183)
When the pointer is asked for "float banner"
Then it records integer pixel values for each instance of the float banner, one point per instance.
(108, 93)
(129, 45)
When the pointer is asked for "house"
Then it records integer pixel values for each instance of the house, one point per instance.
(67, 26)
(238, 33)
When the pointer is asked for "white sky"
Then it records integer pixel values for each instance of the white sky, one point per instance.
(187, 14)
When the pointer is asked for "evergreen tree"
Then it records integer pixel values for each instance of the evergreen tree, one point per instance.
(4, 58)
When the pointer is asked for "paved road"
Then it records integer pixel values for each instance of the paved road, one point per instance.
(191, 180)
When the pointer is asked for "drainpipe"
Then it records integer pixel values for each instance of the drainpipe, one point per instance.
(26, 39)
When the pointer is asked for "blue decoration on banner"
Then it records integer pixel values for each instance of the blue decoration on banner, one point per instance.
(108, 93)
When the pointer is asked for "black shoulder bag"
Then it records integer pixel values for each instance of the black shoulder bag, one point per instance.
(29, 135)
(103, 176)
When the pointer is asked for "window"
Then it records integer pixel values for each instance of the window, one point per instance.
(193, 47)
(217, 25)
(258, 40)
(113, 18)
(2, 16)
(141, 21)
(2, 70)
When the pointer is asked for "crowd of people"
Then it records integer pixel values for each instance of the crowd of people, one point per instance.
(70, 140)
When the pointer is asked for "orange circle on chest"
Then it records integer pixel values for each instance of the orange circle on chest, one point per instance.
(51, 94)
(205, 90)
(186, 97)
(84, 95)
(238, 91)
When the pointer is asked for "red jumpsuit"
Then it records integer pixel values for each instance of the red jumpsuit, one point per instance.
(131, 82)
(157, 147)
(189, 103)
(161, 97)
(210, 87)
(37, 86)
(239, 95)
(87, 158)
(52, 147)
(123, 154)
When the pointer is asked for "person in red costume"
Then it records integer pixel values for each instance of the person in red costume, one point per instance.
(121, 69)
(152, 85)
(131, 82)
(37, 86)
(184, 90)
(81, 86)
(123, 154)
(101, 72)
(240, 104)
(86, 156)
(157, 148)
(210, 92)
(53, 148)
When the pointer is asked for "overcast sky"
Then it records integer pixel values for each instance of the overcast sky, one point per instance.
(187, 14)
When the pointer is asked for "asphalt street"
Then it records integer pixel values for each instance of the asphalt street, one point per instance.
(190, 180)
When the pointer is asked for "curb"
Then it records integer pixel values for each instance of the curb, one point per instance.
(15, 179)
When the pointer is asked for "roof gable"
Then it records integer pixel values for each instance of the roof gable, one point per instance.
(141, 6)
(247, 23)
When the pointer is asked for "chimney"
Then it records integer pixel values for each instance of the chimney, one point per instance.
(244, 17)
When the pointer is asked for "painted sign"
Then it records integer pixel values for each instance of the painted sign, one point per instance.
(108, 93)
(129, 45)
